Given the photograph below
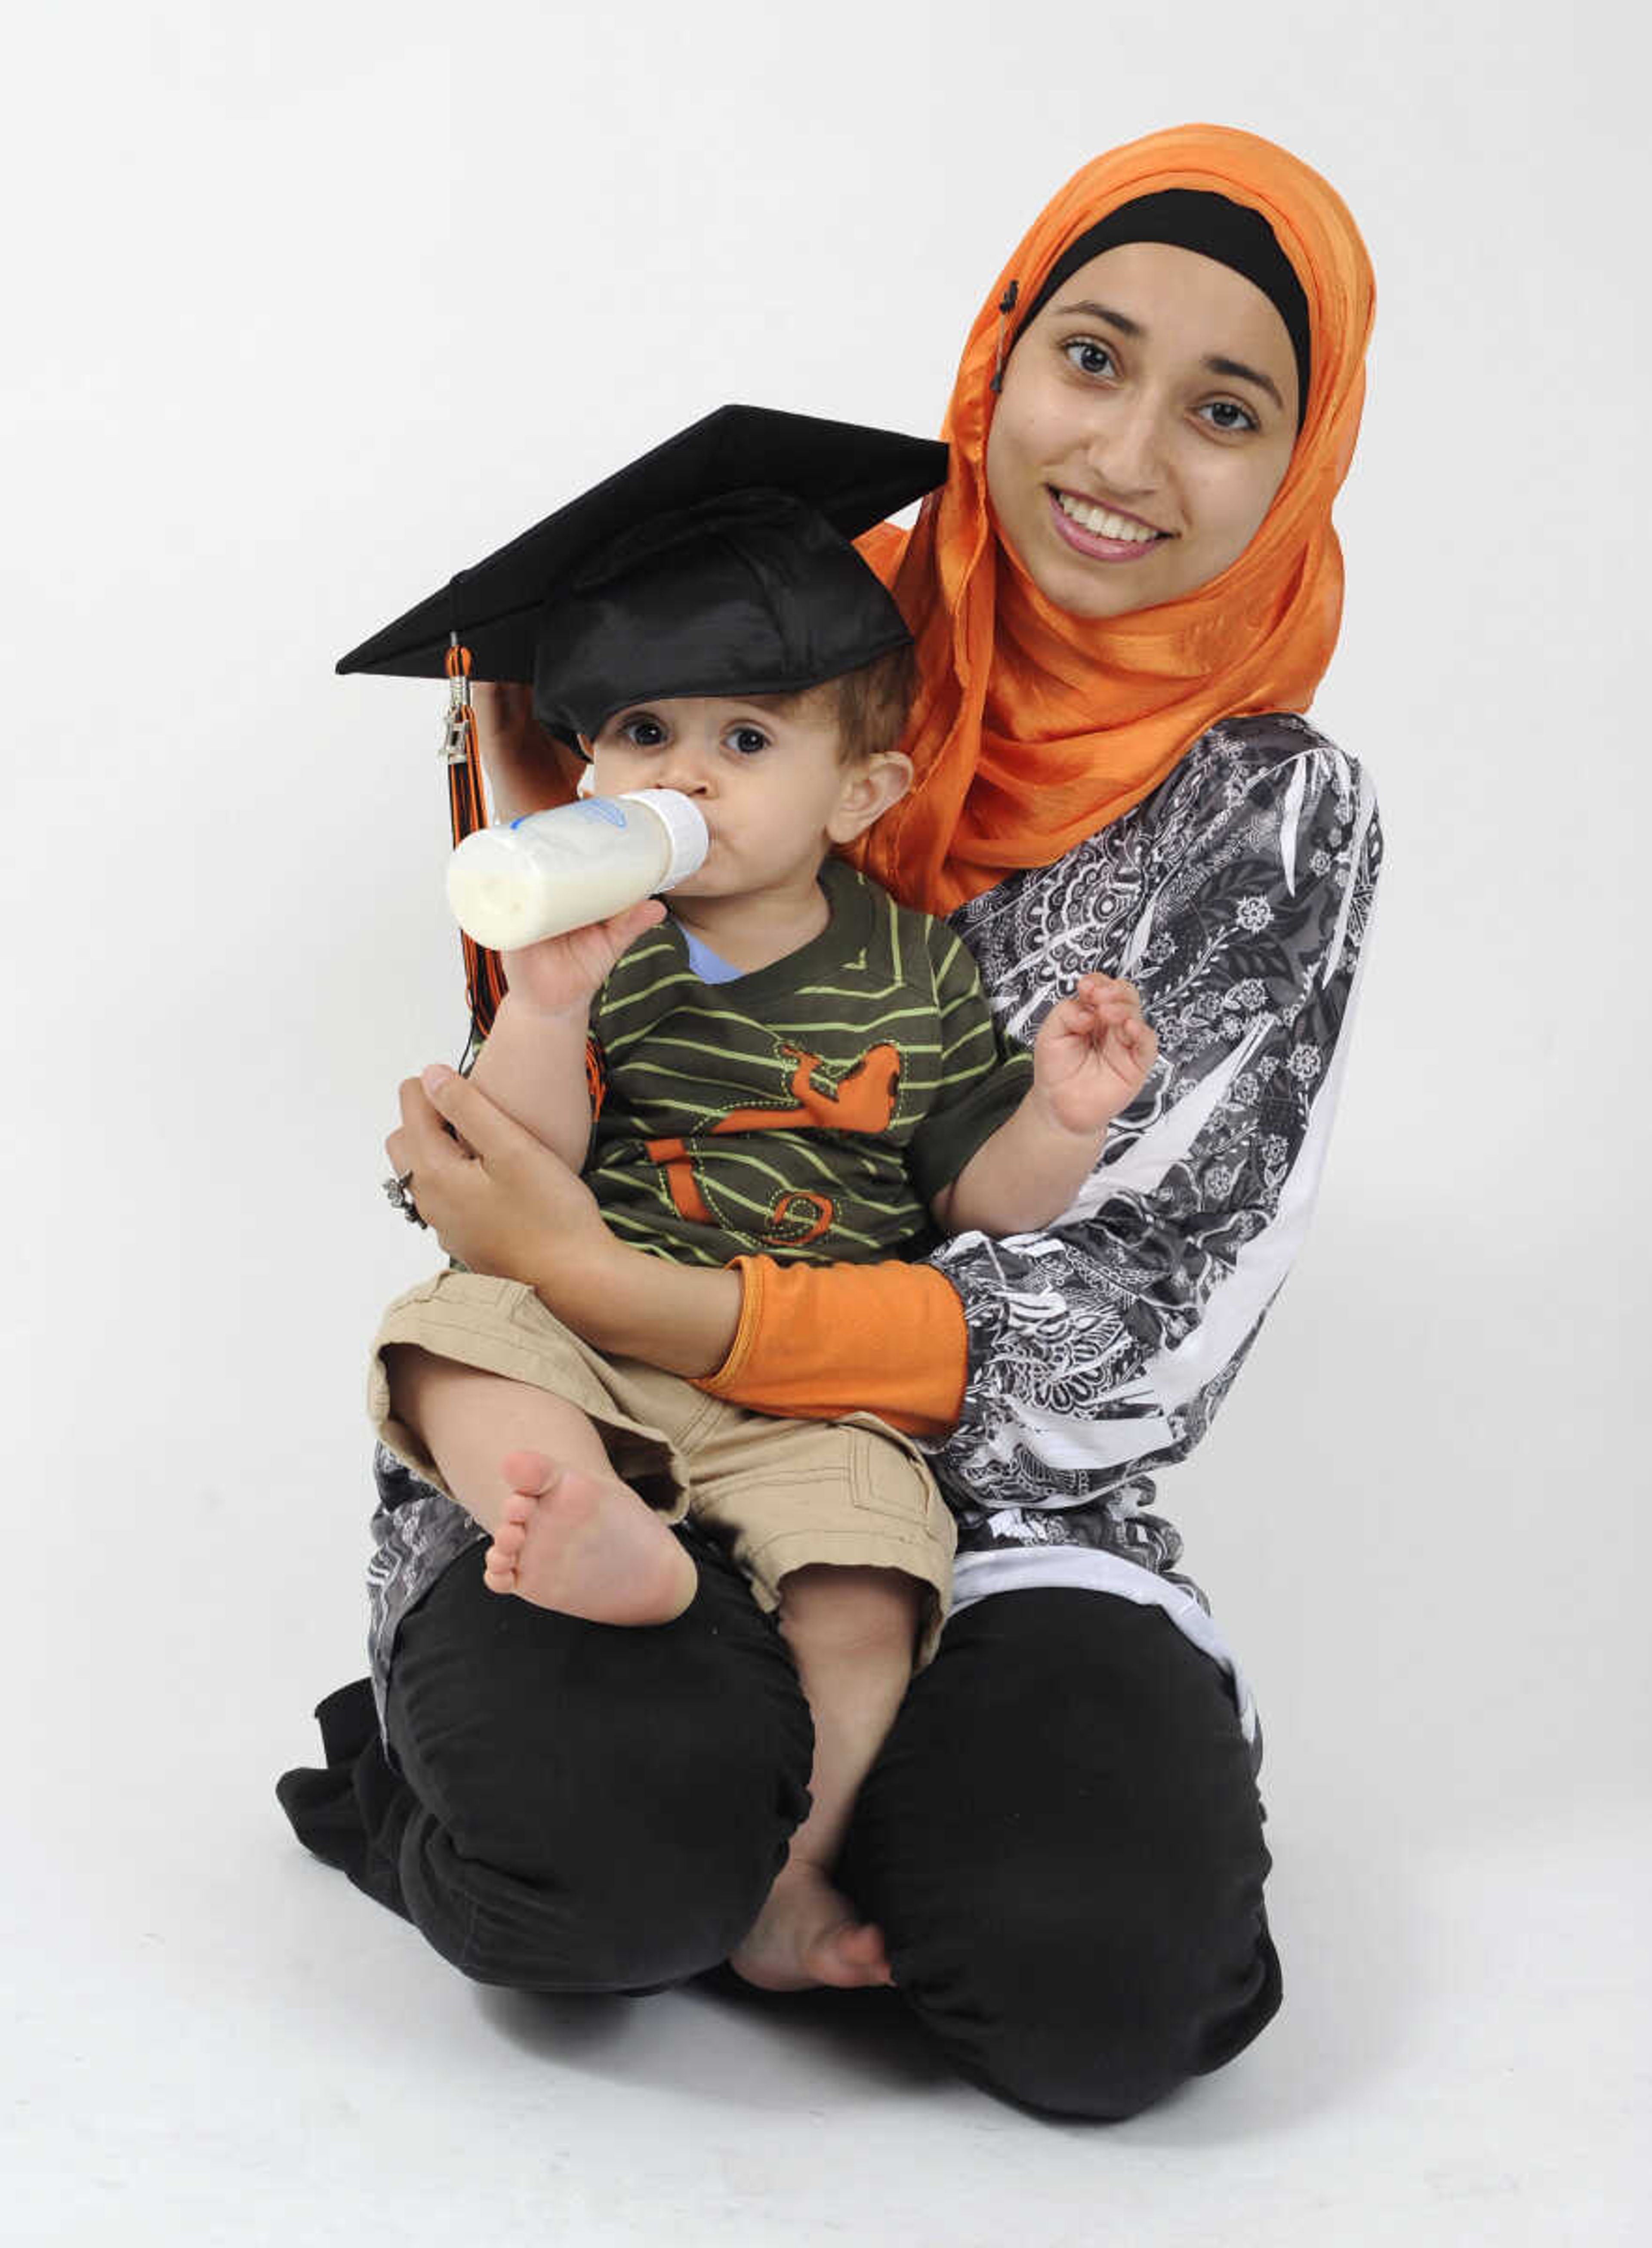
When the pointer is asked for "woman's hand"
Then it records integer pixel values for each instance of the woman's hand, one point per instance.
(498, 1199)
(527, 772)
(502, 1203)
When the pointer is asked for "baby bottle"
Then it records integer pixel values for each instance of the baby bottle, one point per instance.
(551, 871)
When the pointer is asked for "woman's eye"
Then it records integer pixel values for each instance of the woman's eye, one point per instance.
(644, 733)
(1228, 414)
(748, 740)
(1087, 356)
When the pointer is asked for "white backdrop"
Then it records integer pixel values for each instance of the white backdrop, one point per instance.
(308, 307)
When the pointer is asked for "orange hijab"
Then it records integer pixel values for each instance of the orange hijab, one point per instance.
(1032, 728)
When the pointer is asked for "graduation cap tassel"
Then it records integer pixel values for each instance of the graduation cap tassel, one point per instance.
(484, 976)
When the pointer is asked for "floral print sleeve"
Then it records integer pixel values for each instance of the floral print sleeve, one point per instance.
(1237, 899)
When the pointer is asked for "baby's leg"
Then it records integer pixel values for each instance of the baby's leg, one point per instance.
(851, 1632)
(531, 1467)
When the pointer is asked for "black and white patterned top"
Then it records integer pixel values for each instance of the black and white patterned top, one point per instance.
(1237, 899)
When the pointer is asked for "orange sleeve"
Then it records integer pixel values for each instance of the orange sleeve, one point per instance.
(816, 1341)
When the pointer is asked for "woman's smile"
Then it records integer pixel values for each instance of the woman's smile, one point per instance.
(1092, 527)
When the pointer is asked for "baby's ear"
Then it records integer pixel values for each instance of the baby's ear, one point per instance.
(869, 790)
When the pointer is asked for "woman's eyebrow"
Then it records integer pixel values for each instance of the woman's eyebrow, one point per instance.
(1237, 372)
(1235, 369)
(1125, 325)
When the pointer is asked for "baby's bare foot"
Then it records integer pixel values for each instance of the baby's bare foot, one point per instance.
(586, 1545)
(807, 1933)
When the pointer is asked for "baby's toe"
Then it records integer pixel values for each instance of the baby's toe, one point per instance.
(530, 1474)
(517, 1514)
(508, 1540)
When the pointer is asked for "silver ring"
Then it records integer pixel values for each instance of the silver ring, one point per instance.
(396, 1193)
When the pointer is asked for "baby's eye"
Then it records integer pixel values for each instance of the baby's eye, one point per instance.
(644, 733)
(1241, 416)
(1087, 356)
(746, 739)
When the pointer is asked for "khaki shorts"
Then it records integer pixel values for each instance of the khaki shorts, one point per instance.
(778, 1494)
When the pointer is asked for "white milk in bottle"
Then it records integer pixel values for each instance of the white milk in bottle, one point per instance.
(551, 871)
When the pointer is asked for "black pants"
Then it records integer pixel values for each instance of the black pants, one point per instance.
(1060, 1838)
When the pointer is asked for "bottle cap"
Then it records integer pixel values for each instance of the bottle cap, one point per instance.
(679, 815)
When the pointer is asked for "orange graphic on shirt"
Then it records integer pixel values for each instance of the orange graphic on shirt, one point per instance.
(863, 1100)
(798, 1205)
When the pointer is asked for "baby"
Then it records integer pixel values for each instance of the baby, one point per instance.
(790, 1064)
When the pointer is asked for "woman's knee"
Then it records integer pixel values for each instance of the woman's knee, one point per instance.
(1062, 1842)
(1089, 2005)
(598, 1808)
(643, 1921)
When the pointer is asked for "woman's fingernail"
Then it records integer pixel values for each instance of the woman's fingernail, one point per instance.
(435, 1076)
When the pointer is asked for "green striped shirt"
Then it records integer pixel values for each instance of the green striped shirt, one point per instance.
(807, 1111)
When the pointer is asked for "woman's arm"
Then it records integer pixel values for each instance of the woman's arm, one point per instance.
(816, 1341)
(526, 770)
(502, 1203)
(1105, 1346)
(1103, 1349)
(681, 1317)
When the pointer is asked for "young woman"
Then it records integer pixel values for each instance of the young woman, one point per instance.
(1123, 597)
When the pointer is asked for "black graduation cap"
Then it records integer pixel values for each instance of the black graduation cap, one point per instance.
(718, 563)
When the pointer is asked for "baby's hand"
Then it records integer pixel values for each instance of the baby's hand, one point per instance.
(1092, 1054)
(560, 973)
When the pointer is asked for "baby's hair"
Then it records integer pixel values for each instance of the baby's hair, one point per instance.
(870, 705)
